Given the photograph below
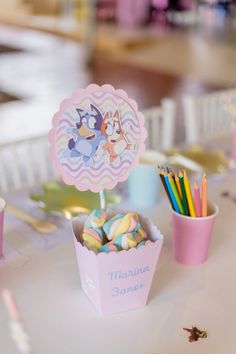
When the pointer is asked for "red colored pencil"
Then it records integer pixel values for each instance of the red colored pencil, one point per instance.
(197, 200)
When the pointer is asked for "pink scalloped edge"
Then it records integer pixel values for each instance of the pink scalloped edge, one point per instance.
(148, 243)
(51, 135)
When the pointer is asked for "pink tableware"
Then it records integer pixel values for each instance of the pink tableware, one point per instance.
(191, 236)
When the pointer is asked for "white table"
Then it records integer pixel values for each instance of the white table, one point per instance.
(61, 320)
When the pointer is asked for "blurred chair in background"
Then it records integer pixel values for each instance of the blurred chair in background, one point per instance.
(86, 11)
(160, 125)
(25, 164)
(205, 117)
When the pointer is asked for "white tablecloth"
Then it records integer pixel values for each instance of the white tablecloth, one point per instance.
(61, 320)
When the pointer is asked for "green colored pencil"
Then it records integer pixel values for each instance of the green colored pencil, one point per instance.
(176, 194)
(184, 197)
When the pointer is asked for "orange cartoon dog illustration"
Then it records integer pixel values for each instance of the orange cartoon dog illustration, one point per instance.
(116, 139)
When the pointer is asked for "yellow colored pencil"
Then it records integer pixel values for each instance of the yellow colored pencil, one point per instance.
(204, 195)
(176, 193)
(178, 185)
(189, 195)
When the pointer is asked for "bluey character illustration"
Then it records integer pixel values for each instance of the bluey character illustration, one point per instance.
(116, 138)
(87, 134)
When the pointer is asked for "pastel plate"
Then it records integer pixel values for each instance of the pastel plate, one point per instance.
(67, 201)
(211, 162)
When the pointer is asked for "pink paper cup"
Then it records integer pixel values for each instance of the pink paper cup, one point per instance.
(191, 236)
(118, 281)
(2, 207)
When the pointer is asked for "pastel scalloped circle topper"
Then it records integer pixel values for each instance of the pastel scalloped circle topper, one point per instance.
(97, 138)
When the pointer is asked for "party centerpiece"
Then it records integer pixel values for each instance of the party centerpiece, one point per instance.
(96, 140)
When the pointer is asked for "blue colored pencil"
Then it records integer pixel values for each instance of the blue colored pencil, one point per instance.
(161, 174)
(176, 208)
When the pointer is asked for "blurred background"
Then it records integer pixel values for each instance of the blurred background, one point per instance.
(175, 58)
(151, 48)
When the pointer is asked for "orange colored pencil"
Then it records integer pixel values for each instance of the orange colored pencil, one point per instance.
(204, 195)
(178, 185)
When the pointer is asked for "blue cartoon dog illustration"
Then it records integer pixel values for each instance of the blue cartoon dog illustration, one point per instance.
(87, 134)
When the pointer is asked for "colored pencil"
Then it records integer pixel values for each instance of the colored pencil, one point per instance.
(176, 194)
(197, 201)
(18, 332)
(184, 197)
(204, 195)
(176, 208)
(189, 195)
(178, 185)
(178, 190)
(170, 171)
(160, 172)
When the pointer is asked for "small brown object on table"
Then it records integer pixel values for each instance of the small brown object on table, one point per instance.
(195, 334)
